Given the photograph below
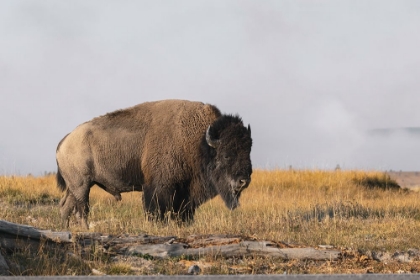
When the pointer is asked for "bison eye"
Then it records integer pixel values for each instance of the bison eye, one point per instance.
(227, 156)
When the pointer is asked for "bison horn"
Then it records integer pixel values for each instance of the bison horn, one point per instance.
(212, 142)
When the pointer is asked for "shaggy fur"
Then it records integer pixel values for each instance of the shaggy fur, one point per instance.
(159, 148)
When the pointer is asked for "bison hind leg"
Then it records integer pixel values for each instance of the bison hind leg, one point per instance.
(82, 212)
(68, 207)
(71, 206)
(75, 201)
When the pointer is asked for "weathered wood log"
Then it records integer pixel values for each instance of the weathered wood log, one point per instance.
(30, 232)
(142, 239)
(4, 268)
(14, 236)
(244, 248)
(198, 241)
(11, 242)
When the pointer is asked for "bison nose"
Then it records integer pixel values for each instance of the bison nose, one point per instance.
(243, 182)
(240, 184)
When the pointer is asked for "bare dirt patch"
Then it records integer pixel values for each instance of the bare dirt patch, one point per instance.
(406, 179)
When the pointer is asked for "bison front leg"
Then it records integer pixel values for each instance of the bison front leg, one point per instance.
(156, 203)
(183, 209)
(187, 215)
(168, 203)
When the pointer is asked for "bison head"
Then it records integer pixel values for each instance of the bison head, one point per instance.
(227, 162)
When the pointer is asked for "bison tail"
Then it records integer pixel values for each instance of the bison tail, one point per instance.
(61, 184)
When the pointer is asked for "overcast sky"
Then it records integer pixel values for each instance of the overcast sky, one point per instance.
(310, 77)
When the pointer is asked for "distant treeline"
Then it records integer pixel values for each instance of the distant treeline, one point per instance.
(414, 131)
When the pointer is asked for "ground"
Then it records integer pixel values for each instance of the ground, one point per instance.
(410, 180)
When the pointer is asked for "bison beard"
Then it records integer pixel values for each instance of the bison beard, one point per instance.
(179, 153)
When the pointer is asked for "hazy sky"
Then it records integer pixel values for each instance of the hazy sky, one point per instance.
(311, 77)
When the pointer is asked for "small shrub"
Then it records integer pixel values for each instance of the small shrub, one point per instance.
(377, 181)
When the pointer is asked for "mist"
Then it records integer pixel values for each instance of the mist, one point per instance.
(311, 78)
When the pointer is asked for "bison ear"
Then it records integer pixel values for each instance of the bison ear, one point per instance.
(249, 129)
(210, 140)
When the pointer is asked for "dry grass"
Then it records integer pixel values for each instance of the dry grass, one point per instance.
(347, 209)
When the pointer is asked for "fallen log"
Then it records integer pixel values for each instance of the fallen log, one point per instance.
(144, 239)
(23, 231)
(243, 248)
(4, 267)
(15, 236)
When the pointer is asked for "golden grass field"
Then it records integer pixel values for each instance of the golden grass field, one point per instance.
(352, 210)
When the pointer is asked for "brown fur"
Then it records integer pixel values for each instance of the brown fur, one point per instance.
(132, 148)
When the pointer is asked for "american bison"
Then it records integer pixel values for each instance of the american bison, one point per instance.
(179, 153)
